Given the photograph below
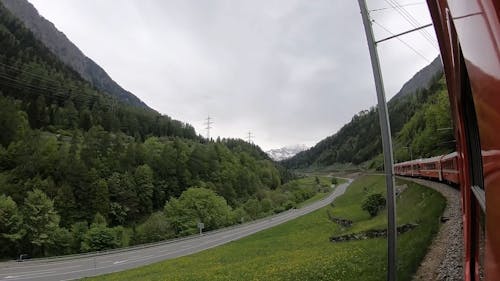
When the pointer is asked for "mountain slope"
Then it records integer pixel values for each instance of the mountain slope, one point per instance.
(359, 140)
(421, 79)
(67, 52)
(76, 165)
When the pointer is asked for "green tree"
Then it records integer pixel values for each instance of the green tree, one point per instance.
(197, 205)
(11, 230)
(100, 197)
(13, 122)
(62, 242)
(99, 237)
(65, 204)
(123, 193)
(252, 208)
(266, 205)
(78, 231)
(143, 177)
(41, 221)
(373, 204)
(155, 228)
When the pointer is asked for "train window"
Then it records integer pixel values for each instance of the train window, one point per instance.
(472, 132)
(473, 147)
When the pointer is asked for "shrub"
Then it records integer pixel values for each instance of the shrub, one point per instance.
(373, 204)
(155, 228)
(334, 180)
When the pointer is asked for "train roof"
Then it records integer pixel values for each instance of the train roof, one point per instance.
(449, 156)
(432, 159)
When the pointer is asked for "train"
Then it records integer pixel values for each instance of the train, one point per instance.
(442, 168)
(468, 33)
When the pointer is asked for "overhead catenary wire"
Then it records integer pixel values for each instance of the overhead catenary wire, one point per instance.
(424, 32)
(402, 5)
(412, 21)
(401, 8)
(402, 41)
(409, 18)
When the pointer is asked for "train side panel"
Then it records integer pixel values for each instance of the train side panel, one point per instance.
(468, 32)
(449, 168)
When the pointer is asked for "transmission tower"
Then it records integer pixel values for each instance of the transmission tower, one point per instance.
(208, 125)
(249, 137)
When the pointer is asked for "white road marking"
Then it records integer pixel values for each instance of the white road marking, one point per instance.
(31, 272)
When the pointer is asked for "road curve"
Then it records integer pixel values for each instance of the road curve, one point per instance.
(75, 267)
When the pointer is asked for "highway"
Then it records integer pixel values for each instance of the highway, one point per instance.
(79, 266)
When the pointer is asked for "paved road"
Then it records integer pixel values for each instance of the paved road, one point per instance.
(74, 267)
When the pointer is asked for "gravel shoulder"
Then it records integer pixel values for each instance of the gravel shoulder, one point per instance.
(444, 260)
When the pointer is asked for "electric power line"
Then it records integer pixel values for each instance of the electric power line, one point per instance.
(56, 92)
(412, 21)
(402, 41)
(402, 5)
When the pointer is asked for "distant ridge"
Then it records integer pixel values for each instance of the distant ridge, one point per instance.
(68, 52)
(359, 140)
(421, 79)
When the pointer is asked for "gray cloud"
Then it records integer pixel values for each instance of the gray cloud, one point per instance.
(289, 71)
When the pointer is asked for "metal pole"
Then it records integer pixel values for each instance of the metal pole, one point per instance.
(386, 143)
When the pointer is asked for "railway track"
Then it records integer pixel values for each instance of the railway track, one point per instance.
(444, 260)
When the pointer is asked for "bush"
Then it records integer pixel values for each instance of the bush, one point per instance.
(99, 237)
(155, 228)
(289, 205)
(373, 204)
(334, 180)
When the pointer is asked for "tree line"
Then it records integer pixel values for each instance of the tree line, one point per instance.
(83, 171)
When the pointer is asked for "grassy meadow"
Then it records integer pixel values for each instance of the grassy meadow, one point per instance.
(301, 250)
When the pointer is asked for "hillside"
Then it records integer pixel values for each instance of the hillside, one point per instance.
(83, 171)
(67, 52)
(421, 79)
(359, 140)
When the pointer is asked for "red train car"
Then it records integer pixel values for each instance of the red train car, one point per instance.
(468, 32)
(449, 168)
(408, 168)
(403, 169)
(431, 168)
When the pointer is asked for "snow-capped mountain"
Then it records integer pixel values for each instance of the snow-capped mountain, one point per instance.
(286, 152)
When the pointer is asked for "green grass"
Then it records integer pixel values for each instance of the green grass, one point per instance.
(310, 181)
(320, 195)
(300, 249)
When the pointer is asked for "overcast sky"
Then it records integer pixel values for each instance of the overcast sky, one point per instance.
(289, 71)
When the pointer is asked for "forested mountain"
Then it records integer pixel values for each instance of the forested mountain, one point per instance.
(67, 52)
(81, 170)
(421, 79)
(414, 119)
